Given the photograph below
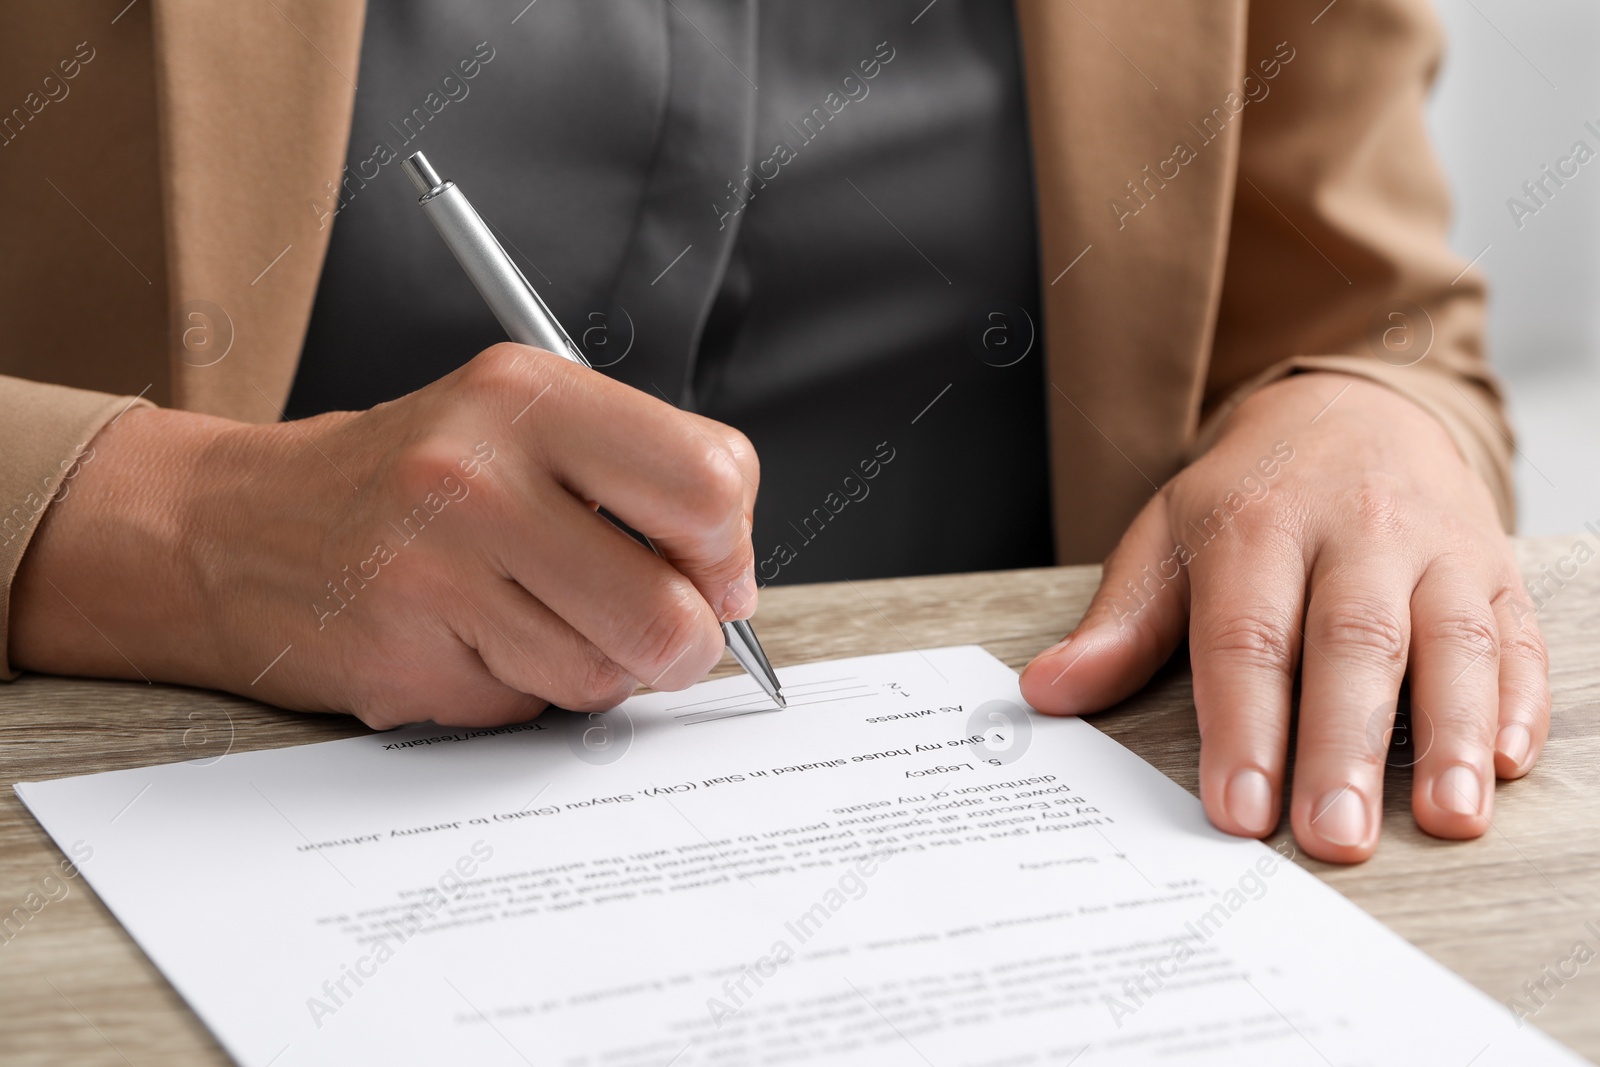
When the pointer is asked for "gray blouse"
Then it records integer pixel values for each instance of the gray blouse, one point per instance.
(810, 220)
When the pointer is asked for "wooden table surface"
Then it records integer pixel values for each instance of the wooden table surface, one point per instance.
(74, 988)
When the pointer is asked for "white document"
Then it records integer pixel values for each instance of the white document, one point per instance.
(906, 867)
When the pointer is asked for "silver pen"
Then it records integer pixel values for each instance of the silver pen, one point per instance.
(528, 320)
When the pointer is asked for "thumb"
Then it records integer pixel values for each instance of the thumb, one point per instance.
(1136, 619)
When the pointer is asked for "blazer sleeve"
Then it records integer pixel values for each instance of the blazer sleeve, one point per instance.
(1337, 257)
(45, 435)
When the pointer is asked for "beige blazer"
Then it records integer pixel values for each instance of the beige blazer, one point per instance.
(1228, 191)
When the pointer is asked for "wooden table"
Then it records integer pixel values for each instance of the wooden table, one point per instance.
(75, 989)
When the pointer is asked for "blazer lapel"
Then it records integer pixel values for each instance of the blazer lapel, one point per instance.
(1134, 191)
(254, 103)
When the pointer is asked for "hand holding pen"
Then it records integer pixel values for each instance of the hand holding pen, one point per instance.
(528, 320)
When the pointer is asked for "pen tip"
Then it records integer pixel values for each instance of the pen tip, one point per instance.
(777, 698)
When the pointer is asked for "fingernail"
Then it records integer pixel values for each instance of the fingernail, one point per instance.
(1248, 799)
(1514, 742)
(1457, 790)
(1341, 818)
(1057, 647)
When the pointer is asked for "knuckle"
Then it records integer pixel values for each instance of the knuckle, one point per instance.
(743, 452)
(422, 466)
(726, 578)
(384, 700)
(1254, 641)
(1525, 676)
(1368, 627)
(507, 375)
(374, 716)
(496, 366)
(1526, 646)
(1458, 537)
(714, 486)
(1380, 509)
(671, 631)
(602, 682)
(1511, 604)
(1276, 524)
(1170, 497)
(1469, 632)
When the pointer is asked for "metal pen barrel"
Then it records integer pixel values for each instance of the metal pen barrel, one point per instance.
(515, 303)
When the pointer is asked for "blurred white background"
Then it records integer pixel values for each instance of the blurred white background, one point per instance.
(1519, 82)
